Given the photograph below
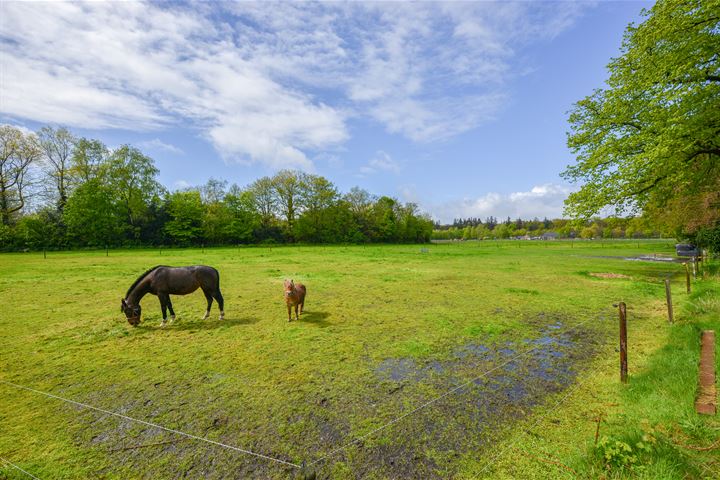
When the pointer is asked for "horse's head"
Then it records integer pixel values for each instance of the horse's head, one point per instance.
(289, 287)
(132, 312)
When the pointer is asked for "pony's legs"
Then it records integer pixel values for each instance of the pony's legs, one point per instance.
(289, 313)
(302, 306)
(296, 312)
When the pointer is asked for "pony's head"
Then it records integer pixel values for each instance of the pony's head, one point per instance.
(289, 287)
(132, 312)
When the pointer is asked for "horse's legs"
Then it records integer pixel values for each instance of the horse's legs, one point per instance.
(172, 312)
(221, 303)
(289, 313)
(302, 306)
(209, 298)
(164, 299)
(296, 312)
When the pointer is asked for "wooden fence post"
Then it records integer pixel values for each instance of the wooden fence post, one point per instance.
(668, 299)
(706, 402)
(694, 262)
(622, 310)
(687, 276)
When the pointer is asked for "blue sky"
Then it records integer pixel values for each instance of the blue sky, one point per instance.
(458, 106)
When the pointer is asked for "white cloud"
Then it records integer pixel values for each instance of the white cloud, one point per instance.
(182, 184)
(79, 65)
(268, 82)
(157, 144)
(540, 201)
(381, 162)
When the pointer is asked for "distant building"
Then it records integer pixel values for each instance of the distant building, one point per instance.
(550, 236)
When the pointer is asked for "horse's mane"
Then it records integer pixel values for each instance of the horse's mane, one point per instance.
(139, 279)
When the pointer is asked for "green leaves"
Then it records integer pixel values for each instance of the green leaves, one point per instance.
(654, 133)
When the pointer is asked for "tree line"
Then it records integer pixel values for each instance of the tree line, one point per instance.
(61, 191)
(491, 228)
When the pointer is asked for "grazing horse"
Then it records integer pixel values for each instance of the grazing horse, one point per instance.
(294, 297)
(165, 281)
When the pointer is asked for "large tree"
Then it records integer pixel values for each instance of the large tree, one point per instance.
(264, 200)
(132, 177)
(18, 151)
(186, 217)
(652, 135)
(87, 158)
(289, 187)
(57, 145)
(92, 215)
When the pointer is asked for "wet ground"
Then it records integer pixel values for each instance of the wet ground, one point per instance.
(646, 258)
(474, 392)
(474, 407)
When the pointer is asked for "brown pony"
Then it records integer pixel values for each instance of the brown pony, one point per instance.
(294, 297)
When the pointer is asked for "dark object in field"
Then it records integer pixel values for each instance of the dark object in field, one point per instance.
(294, 297)
(686, 250)
(164, 281)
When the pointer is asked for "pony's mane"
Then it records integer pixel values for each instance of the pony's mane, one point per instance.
(139, 279)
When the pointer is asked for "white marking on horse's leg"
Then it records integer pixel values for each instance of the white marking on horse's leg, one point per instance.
(207, 314)
(162, 324)
(172, 319)
(222, 315)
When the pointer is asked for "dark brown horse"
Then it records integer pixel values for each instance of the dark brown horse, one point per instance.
(294, 297)
(165, 281)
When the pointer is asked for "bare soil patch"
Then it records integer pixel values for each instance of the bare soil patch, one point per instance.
(609, 275)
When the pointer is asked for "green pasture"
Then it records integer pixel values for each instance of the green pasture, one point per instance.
(386, 329)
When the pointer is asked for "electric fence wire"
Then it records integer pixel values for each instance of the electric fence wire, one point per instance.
(331, 453)
(557, 404)
(435, 400)
(154, 425)
(7, 462)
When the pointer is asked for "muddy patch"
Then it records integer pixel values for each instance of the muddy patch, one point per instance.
(477, 391)
(608, 275)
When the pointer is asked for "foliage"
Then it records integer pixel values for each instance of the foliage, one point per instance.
(611, 227)
(616, 453)
(652, 136)
(18, 153)
(186, 217)
(87, 195)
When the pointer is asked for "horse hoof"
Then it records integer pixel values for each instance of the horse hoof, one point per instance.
(172, 319)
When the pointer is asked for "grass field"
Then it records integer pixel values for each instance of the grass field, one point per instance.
(387, 330)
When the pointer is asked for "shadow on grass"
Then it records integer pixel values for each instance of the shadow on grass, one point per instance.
(209, 324)
(318, 318)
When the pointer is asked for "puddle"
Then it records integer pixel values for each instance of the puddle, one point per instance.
(499, 384)
(643, 258)
(399, 369)
(549, 362)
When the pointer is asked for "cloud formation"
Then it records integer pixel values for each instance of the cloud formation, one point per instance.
(273, 83)
(541, 201)
(157, 144)
(381, 162)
